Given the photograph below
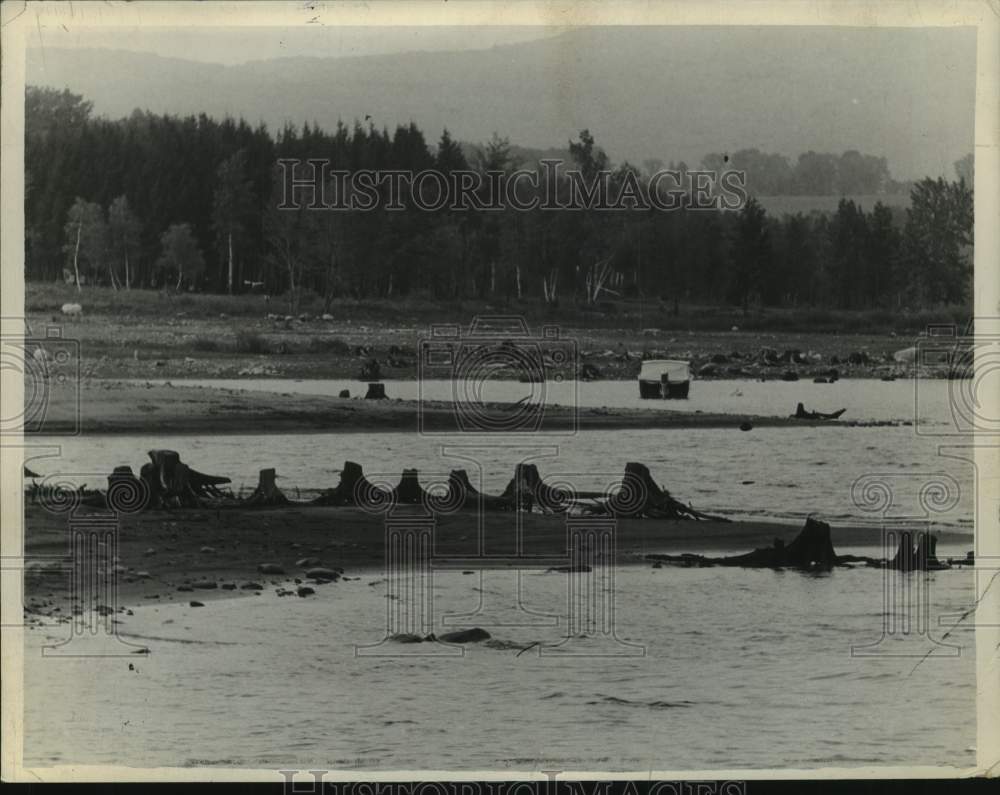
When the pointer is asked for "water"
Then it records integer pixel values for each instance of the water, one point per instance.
(864, 399)
(742, 668)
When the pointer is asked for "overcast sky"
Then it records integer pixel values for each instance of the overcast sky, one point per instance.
(240, 45)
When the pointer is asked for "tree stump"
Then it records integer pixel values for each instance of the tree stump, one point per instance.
(173, 483)
(267, 492)
(376, 391)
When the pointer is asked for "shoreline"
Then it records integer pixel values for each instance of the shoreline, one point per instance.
(205, 551)
(128, 407)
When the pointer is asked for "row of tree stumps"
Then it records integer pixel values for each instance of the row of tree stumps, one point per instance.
(166, 482)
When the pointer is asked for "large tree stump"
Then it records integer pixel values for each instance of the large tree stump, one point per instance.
(173, 483)
(267, 492)
(409, 491)
(353, 488)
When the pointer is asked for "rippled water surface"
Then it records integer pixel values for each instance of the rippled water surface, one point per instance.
(706, 668)
(712, 668)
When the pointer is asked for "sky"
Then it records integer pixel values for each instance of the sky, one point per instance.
(673, 93)
(240, 45)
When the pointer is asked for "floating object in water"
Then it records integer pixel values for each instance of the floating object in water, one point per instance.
(802, 414)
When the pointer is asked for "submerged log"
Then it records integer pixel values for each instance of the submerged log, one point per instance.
(802, 414)
(172, 483)
(267, 492)
(812, 550)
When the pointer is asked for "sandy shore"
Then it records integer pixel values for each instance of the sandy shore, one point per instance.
(171, 556)
(123, 407)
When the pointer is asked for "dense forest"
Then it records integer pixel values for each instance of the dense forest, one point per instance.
(191, 204)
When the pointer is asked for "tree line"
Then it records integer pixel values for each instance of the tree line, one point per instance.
(191, 204)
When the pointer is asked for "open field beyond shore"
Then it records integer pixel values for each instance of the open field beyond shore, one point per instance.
(150, 334)
(161, 551)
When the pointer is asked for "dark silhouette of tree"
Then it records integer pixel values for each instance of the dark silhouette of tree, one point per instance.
(937, 241)
(751, 254)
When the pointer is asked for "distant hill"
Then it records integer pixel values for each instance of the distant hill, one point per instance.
(790, 205)
(667, 93)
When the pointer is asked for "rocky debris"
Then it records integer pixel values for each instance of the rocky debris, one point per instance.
(184, 588)
(229, 586)
(270, 568)
(206, 585)
(323, 573)
(193, 603)
(252, 586)
(305, 563)
(304, 590)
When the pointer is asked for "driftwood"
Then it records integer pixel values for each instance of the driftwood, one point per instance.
(922, 557)
(812, 550)
(172, 483)
(802, 414)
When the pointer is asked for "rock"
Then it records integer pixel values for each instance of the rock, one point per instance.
(326, 316)
(746, 426)
(344, 393)
(304, 590)
(322, 573)
(143, 575)
(406, 637)
(208, 549)
(149, 551)
(305, 563)
(270, 568)
(789, 375)
(184, 588)
(73, 310)
(720, 358)
(193, 603)
(707, 370)
(252, 586)
(820, 380)
(229, 586)
(206, 585)
(473, 635)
